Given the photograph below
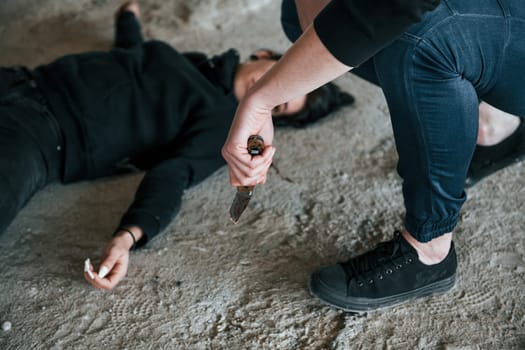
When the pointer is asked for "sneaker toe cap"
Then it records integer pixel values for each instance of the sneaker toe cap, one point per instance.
(329, 281)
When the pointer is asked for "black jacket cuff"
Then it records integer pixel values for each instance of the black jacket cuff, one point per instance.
(149, 224)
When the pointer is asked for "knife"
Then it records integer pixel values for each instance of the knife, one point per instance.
(244, 193)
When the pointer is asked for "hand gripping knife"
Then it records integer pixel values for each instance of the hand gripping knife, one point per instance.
(244, 193)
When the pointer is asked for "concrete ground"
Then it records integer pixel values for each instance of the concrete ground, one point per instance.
(207, 284)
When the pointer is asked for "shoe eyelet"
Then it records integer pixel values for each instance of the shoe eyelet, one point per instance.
(380, 276)
(398, 266)
(388, 271)
(370, 281)
(408, 261)
(360, 284)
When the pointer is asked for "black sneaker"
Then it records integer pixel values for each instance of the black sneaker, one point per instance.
(389, 275)
(489, 159)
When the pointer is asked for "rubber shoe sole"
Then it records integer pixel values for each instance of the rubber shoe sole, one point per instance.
(361, 305)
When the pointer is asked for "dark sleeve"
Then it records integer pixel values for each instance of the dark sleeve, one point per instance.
(127, 31)
(158, 198)
(196, 58)
(354, 30)
(159, 195)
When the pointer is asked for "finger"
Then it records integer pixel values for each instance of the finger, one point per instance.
(252, 176)
(117, 273)
(240, 178)
(238, 174)
(263, 162)
(89, 277)
(108, 262)
(245, 170)
(93, 278)
(102, 283)
(234, 180)
(265, 167)
(112, 279)
(236, 155)
(260, 166)
(254, 166)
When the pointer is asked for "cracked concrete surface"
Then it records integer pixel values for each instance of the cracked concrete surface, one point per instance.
(208, 284)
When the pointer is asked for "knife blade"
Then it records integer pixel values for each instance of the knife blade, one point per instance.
(244, 193)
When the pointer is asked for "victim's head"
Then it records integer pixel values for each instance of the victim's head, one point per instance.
(299, 112)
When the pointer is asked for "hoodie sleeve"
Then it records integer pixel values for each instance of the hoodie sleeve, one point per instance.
(354, 30)
(158, 198)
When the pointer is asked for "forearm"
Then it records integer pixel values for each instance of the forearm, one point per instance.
(305, 66)
(157, 199)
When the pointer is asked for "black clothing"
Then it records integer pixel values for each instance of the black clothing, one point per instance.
(354, 30)
(145, 104)
(30, 154)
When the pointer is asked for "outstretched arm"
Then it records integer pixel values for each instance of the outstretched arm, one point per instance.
(127, 26)
(156, 202)
(344, 34)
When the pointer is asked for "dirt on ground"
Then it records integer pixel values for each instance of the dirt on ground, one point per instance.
(205, 283)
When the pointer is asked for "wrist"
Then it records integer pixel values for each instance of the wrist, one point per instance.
(128, 236)
(258, 104)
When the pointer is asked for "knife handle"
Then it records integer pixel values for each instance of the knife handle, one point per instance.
(255, 147)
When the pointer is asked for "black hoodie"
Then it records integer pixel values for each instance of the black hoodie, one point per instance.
(142, 103)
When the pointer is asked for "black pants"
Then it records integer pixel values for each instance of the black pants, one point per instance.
(433, 77)
(30, 143)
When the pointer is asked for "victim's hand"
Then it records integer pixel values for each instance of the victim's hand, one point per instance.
(114, 264)
(245, 169)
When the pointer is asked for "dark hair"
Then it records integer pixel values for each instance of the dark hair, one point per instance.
(319, 103)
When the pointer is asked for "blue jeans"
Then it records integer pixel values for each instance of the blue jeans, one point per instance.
(433, 77)
(30, 145)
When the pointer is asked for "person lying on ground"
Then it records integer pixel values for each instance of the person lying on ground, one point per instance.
(140, 106)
